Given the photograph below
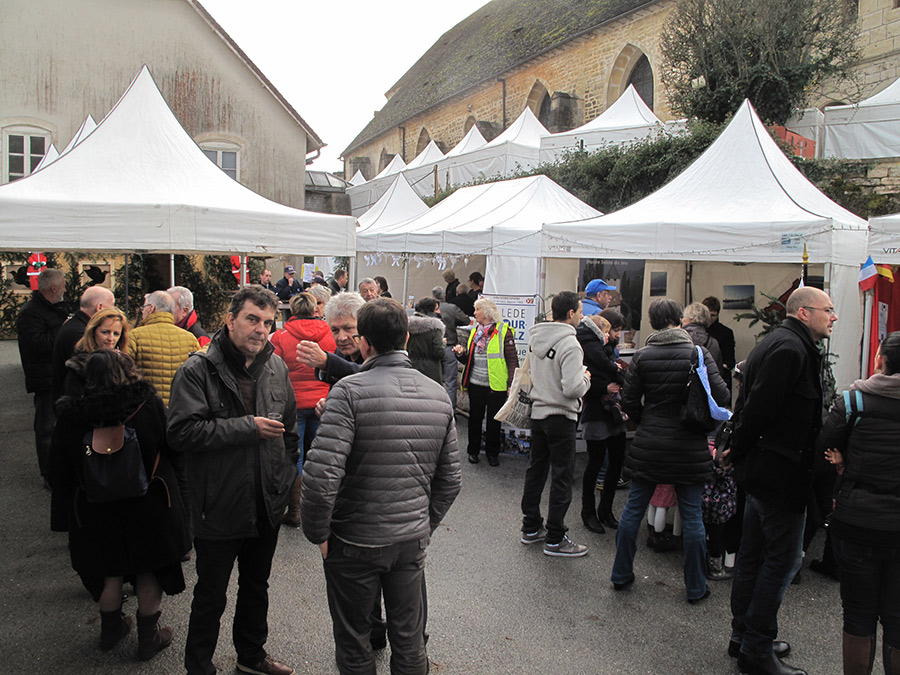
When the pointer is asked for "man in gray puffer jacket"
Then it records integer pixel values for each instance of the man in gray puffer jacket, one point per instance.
(379, 478)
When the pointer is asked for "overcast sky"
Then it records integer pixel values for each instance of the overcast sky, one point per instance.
(334, 59)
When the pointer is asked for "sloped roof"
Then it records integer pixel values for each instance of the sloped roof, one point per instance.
(496, 38)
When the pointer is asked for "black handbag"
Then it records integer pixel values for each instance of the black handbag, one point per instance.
(695, 412)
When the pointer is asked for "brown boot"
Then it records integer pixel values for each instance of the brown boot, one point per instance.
(891, 657)
(859, 654)
(292, 518)
(113, 627)
(151, 638)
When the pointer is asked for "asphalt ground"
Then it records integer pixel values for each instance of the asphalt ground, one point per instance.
(495, 606)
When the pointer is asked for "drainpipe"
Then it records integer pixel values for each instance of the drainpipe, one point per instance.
(402, 143)
(503, 83)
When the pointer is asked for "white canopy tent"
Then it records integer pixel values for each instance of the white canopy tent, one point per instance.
(358, 178)
(741, 201)
(627, 119)
(871, 128)
(140, 183)
(398, 204)
(517, 147)
(809, 123)
(364, 195)
(49, 157)
(471, 141)
(419, 172)
(86, 129)
(500, 220)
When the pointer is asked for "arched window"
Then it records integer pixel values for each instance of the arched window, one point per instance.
(539, 102)
(225, 155)
(424, 140)
(23, 148)
(631, 67)
(385, 159)
(470, 122)
(642, 79)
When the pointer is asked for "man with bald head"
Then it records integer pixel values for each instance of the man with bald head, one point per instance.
(92, 301)
(778, 416)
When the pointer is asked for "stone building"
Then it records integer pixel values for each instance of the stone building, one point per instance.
(567, 60)
(63, 60)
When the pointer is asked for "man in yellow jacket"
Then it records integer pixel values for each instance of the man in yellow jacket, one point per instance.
(158, 346)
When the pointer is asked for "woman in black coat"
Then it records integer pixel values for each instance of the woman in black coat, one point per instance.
(861, 439)
(663, 451)
(600, 430)
(141, 539)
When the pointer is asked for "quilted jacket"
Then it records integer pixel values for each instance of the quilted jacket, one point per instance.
(159, 347)
(308, 389)
(384, 466)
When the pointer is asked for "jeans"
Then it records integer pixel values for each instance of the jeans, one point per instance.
(451, 375)
(770, 555)
(689, 497)
(215, 561)
(553, 452)
(44, 421)
(353, 575)
(307, 426)
(485, 401)
(870, 588)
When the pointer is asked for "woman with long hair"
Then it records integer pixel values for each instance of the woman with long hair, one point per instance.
(860, 438)
(490, 359)
(304, 324)
(131, 537)
(663, 450)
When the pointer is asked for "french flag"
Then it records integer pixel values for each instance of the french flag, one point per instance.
(868, 275)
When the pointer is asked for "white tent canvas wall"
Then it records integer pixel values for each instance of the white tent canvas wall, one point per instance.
(871, 128)
(884, 239)
(138, 182)
(627, 119)
(420, 171)
(741, 201)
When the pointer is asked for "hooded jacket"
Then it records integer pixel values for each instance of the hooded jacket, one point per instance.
(227, 461)
(37, 325)
(384, 466)
(308, 389)
(426, 346)
(558, 376)
(867, 504)
(602, 366)
(663, 451)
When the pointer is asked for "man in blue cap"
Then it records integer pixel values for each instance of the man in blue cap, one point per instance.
(597, 297)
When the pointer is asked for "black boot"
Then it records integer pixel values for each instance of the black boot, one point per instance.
(151, 638)
(589, 518)
(604, 511)
(858, 653)
(113, 627)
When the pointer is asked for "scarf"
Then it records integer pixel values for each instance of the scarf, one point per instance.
(482, 335)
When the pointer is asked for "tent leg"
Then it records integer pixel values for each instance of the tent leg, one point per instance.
(353, 272)
(127, 275)
(688, 283)
(171, 269)
(867, 334)
(243, 271)
(405, 281)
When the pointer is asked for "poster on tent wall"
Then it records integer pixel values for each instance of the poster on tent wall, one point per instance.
(885, 313)
(520, 312)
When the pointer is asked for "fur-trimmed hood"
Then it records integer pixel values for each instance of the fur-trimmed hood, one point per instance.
(422, 324)
(106, 407)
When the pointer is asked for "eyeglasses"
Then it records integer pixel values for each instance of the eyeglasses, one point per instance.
(356, 337)
(827, 310)
(146, 306)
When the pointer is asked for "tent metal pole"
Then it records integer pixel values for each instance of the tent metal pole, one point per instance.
(127, 289)
(171, 269)
(243, 279)
(867, 333)
(406, 281)
(353, 272)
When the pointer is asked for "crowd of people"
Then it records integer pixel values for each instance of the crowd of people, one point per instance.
(163, 443)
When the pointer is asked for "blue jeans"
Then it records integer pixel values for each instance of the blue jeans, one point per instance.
(870, 588)
(689, 497)
(553, 452)
(770, 555)
(307, 426)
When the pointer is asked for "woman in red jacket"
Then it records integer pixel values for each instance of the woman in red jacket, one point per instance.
(303, 325)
